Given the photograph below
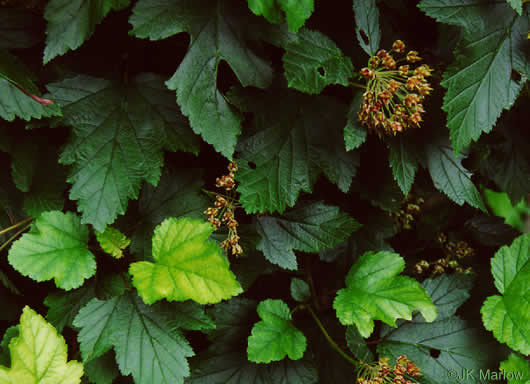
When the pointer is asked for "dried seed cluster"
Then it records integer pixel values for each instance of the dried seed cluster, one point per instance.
(454, 253)
(381, 372)
(410, 209)
(223, 212)
(394, 94)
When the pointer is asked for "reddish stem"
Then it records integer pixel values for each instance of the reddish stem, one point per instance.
(38, 99)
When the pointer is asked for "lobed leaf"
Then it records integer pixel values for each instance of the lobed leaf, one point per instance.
(444, 346)
(113, 242)
(450, 177)
(314, 61)
(275, 336)
(39, 355)
(374, 291)
(186, 266)
(71, 23)
(310, 227)
(516, 369)
(367, 25)
(146, 343)
(216, 31)
(56, 247)
(507, 316)
(120, 131)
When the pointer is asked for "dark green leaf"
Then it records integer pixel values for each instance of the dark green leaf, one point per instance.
(479, 84)
(119, 133)
(367, 25)
(146, 344)
(450, 177)
(102, 369)
(16, 28)
(357, 345)
(313, 61)
(294, 138)
(404, 162)
(70, 23)
(491, 231)
(309, 227)
(354, 132)
(300, 290)
(64, 306)
(444, 346)
(216, 35)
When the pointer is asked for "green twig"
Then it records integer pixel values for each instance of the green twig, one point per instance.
(13, 237)
(330, 340)
(15, 226)
(357, 85)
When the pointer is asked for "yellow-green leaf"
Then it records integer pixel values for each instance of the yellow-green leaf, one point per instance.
(113, 242)
(39, 355)
(187, 265)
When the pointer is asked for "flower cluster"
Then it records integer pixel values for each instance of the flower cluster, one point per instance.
(395, 91)
(382, 373)
(454, 253)
(410, 209)
(223, 212)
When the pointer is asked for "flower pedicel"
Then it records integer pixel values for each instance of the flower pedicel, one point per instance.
(393, 101)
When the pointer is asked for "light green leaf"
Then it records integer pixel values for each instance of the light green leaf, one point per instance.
(216, 34)
(450, 177)
(269, 9)
(500, 205)
(56, 247)
(354, 132)
(39, 355)
(64, 306)
(404, 162)
(178, 194)
(300, 290)
(374, 291)
(113, 242)
(461, 348)
(508, 316)
(146, 343)
(226, 361)
(479, 84)
(314, 61)
(309, 227)
(367, 22)
(71, 22)
(517, 5)
(275, 336)
(187, 265)
(297, 12)
(516, 369)
(119, 134)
